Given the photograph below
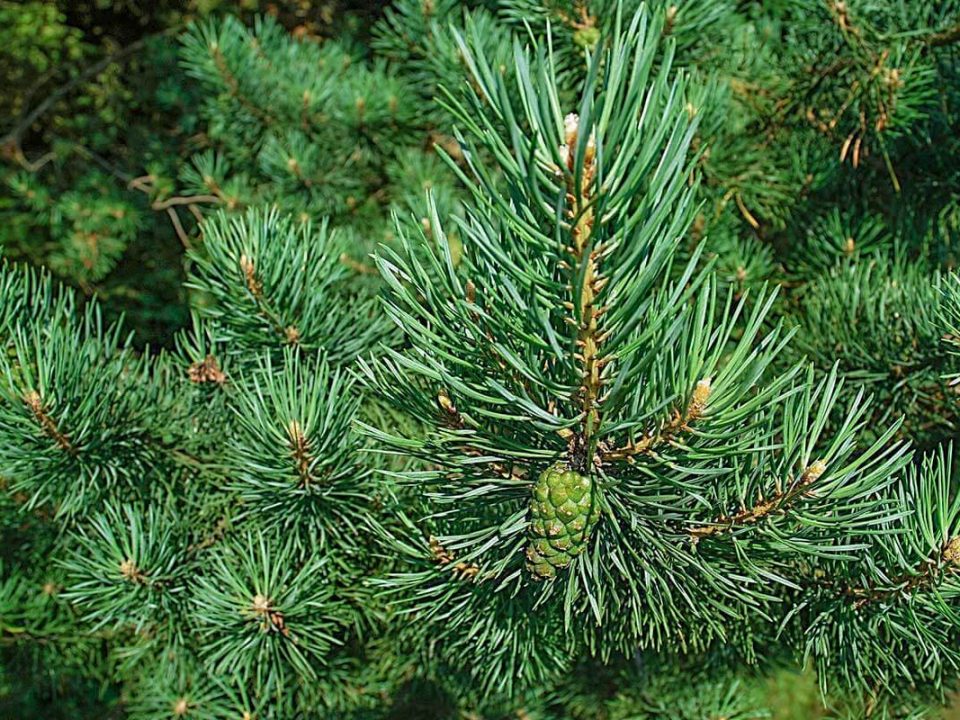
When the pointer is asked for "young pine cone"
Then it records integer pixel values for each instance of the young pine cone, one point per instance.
(564, 509)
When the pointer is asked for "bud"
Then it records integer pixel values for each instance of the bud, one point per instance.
(951, 553)
(571, 124)
(571, 129)
(813, 473)
(698, 402)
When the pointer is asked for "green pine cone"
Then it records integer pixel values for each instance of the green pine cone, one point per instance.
(587, 37)
(563, 511)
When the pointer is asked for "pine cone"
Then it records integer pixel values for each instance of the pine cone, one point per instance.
(563, 511)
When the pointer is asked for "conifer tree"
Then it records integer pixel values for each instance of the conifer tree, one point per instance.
(583, 359)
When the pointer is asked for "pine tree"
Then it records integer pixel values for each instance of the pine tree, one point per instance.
(546, 359)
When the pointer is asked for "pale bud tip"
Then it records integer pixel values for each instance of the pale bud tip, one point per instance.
(815, 470)
(951, 553)
(701, 393)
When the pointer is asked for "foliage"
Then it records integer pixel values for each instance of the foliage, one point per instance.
(530, 358)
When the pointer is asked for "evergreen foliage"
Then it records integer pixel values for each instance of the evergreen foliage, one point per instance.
(585, 359)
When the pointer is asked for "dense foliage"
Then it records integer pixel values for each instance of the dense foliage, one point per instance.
(518, 358)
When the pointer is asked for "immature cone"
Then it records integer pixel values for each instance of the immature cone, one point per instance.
(587, 37)
(563, 511)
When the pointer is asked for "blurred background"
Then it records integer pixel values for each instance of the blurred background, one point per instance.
(97, 120)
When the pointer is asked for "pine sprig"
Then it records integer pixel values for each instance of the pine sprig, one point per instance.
(266, 616)
(270, 282)
(78, 412)
(572, 333)
(295, 457)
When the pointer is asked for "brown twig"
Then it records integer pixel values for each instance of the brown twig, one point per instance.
(586, 317)
(679, 422)
(183, 200)
(444, 557)
(34, 402)
(178, 228)
(206, 371)
(300, 448)
(777, 503)
(453, 419)
(272, 620)
(131, 572)
(945, 37)
(924, 575)
(254, 285)
(233, 86)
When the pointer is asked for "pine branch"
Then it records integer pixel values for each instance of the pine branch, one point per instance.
(233, 87)
(924, 577)
(49, 425)
(679, 423)
(947, 36)
(779, 502)
(585, 272)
